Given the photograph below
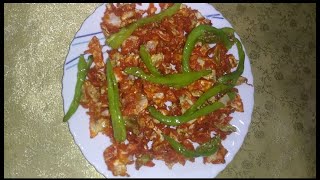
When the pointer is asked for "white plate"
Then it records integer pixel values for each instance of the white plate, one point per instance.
(93, 149)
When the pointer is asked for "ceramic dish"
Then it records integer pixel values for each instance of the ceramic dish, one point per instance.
(93, 149)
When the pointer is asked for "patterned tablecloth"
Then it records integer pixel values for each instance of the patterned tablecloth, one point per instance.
(280, 40)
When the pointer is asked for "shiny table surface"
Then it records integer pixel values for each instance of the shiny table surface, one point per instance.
(280, 40)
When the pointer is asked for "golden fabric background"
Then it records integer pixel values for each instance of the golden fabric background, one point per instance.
(280, 40)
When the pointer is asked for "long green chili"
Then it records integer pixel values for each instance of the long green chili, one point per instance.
(178, 120)
(115, 40)
(208, 34)
(175, 80)
(210, 147)
(234, 76)
(229, 31)
(180, 148)
(83, 68)
(146, 58)
(205, 149)
(118, 124)
(207, 95)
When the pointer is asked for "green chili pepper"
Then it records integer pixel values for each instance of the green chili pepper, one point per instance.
(205, 96)
(115, 40)
(118, 124)
(178, 120)
(214, 35)
(210, 147)
(83, 68)
(175, 80)
(146, 58)
(180, 148)
(194, 113)
(90, 60)
(226, 128)
(232, 95)
(234, 76)
(229, 31)
(208, 34)
(205, 149)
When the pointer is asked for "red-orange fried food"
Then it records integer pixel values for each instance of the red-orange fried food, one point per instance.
(164, 41)
(96, 50)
